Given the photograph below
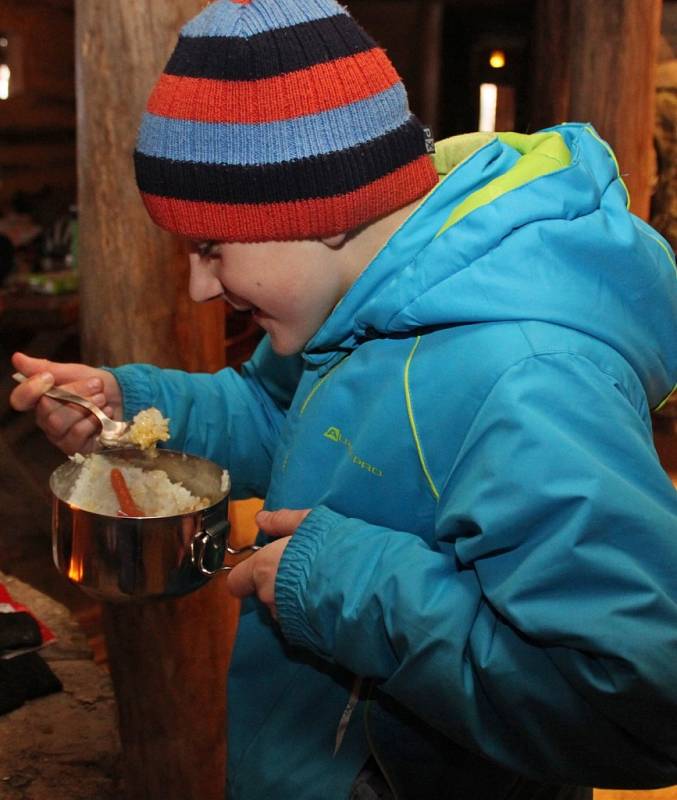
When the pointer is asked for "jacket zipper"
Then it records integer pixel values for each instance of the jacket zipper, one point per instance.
(372, 748)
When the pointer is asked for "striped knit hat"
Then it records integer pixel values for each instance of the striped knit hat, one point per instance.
(278, 120)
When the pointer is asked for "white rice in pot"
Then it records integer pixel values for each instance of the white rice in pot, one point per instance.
(152, 490)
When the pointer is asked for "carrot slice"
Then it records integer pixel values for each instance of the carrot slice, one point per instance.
(128, 508)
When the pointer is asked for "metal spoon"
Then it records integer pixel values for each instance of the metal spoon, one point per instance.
(111, 431)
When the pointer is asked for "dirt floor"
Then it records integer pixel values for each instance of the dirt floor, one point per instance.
(63, 746)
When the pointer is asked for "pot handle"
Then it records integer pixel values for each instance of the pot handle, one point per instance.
(214, 538)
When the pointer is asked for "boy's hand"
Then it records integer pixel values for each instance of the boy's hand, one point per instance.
(256, 575)
(71, 428)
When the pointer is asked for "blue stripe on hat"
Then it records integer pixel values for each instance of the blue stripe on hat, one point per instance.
(331, 175)
(274, 142)
(224, 18)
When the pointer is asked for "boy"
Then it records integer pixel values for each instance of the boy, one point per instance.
(469, 587)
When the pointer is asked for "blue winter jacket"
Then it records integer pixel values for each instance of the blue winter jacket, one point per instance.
(493, 543)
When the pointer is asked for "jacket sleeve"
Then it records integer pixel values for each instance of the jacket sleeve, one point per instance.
(232, 418)
(541, 627)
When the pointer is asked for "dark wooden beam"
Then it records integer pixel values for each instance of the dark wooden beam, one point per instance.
(167, 659)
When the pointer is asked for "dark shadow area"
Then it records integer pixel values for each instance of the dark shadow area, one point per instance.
(27, 459)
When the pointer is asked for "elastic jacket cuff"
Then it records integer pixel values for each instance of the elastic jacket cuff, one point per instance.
(135, 385)
(293, 576)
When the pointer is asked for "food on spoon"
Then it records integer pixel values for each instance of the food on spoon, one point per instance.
(147, 429)
(154, 494)
(128, 507)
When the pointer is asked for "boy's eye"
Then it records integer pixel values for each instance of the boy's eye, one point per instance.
(208, 250)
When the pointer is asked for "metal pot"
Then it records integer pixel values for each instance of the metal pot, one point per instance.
(133, 558)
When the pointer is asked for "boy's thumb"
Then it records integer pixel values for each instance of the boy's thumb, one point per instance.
(282, 522)
(30, 366)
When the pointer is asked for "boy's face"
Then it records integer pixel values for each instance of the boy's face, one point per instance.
(290, 288)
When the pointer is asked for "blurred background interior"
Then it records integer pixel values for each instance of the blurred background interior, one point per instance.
(65, 75)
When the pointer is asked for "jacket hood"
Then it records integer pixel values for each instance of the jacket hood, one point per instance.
(522, 227)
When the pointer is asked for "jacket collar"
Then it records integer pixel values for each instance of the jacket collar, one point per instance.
(346, 326)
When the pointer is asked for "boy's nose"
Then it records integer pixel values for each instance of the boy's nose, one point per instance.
(203, 285)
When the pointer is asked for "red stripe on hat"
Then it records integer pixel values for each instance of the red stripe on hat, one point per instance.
(300, 219)
(342, 81)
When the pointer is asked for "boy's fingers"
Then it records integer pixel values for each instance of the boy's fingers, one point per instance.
(66, 412)
(257, 574)
(28, 394)
(86, 387)
(241, 579)
(80, 437)
(42, 374)
(56, 418)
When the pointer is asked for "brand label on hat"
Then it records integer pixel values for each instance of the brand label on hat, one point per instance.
(429, 140)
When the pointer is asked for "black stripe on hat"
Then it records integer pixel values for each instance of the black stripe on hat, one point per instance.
(314, 177)
(265, 55)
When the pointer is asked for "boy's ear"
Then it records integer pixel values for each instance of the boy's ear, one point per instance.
(335, 241)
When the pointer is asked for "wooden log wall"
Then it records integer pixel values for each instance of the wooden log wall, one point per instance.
(168, 659)
(37, 125)
(596, 62)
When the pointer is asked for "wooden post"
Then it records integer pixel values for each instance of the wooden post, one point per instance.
(134, 276)
(168, 659)
(430, 63)
(550, 72)
(597, 63)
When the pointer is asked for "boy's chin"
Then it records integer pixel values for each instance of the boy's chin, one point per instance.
(285, 347)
